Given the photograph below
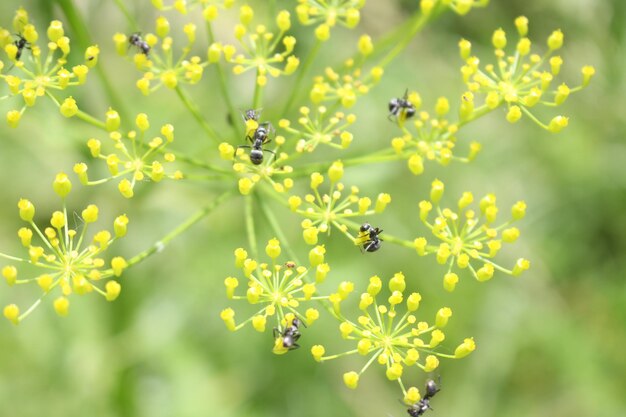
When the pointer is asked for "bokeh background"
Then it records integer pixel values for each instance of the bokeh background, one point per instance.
(550, 343)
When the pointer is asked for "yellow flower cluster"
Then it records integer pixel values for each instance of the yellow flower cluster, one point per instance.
(319, 127)
(321, 211)
(328, 14)
(468, 237)
(134, 158)
(39, 73)
(278, 288)
(68, 260)
(521, 80)
(158, 65)
(260, 47)
(431, 137)
(210, 8)
(392, 337)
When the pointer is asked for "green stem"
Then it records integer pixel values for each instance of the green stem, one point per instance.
(223, 84)
(82, 37)
(258, 92)
(275, 224)
(212, 134)
(250, 226)
(195, 218)
(301, 73)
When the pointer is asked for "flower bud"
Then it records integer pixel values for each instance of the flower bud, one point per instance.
(351, 379)
(441, 319)
(68, 107)
(62, 306)
(465, 348)
(113, 289)
(12, 313)
(62, 185)
(27, 210)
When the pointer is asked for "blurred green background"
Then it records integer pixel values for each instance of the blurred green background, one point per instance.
(550, 343)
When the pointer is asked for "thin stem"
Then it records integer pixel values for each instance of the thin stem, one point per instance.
(258, 92)
(195, 218)
(303, 71)
(196, 114)
(250, 226)
(275, 224)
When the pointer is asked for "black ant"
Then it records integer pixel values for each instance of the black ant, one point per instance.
(251, 114)
(423, 405)
(259, 138)
(136, 40)
(399, 106)
(21, 43)
(368, 238)
(290, 335)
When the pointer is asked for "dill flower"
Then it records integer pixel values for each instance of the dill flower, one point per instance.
(327, 15)
(391, 335)
(520, 80)
(158, 64)
(277, 289)
(319, 127)
(334, 207)
(39, 72)
(68, 262)
(429, 136)
(463, 7)
(469, 240)
(210, 7)
(345, 85)
(260, 48)
(134, 158)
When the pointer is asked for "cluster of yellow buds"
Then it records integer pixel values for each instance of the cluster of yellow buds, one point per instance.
(320, 127)
(468, 237)
(134, 162)
(327, 14)
(210, 8)
(278, 288)
(68, 260)
(39, 74)
(393, 338)
(458, 6)
(260, 47)
(434, 137)
(521, 80)
(159, 66)
(322, 211)
(346, 85)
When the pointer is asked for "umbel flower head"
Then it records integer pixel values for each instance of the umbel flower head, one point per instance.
(35, 75)
(429, 137)
(260, 47)
(391, 335)
(278, 290)
(345, 85)
(333, 208)
(133, 159)
(458, 6)
(319, 127)
(469, 240)
(210, 7)
(69, 260)
(156, 60)
(522, 81)
(327, 15)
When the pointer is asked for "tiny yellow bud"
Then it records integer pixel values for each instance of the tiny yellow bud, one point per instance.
(69, 107)
(374, 286)
(118, 264)
(283, 20)
(436, 191)
(90, 214)
(465, 348)
(412, 395)
(258, 322)
(485, 273)
(555, 40)
(514, 114)
(112, 121)
(510, 235)
(62, 185)
(449, 281)
(465, 48)
(25, 234)
(441, 319)
(397, 282)
(245, 185)
(273, 248)
(394, 371)
(364, 346)
(210, 13)
(45, 282)
(382, 201)
(316, 255)
(499, 39)
(351, 379)
(113, 289)
(558, 123)
(521, 23)
(562, 92)
(246, 14)
(62, 306)
(442, 107)
(431, 363)
(416, 164)
(9, 272)
(27, 210)
(125, 188)
(162, 26)
(13, 118)
(353, 16)
(365, 45)
(318, 351)
(55, 30)
(322, 32)
(228, 315)
(413, 301)
(521, 265)
(310, 235)
(420, 245)
(12, 313)
(588, 71)
(120, 225)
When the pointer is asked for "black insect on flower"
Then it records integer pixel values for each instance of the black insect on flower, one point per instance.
(368, 238)
(423, 405)
(20, 43)
(136, 40)
(401, 107)
(290, 335)
(260, 137)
